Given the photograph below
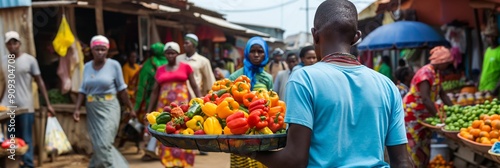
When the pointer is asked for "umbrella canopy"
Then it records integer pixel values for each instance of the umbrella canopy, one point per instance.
(401, 35)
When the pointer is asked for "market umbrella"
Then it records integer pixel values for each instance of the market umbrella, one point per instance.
(401, 35)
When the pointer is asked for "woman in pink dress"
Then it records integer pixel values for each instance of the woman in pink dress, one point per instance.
(171, 86)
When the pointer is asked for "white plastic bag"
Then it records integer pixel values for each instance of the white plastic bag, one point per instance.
(55, 138)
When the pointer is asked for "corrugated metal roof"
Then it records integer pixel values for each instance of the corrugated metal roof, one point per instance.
(14, 3)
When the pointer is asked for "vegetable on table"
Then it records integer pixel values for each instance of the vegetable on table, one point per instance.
(188, 131)
(212, 126)
(222, 98)
(176, 112)
(194, 109)
(163, 118)
(265, 131)
(275, 110)
(197, 100)
(227, 107)
(170, 128)
(257, 104)
(248, 98)
(242, 78)
(196, 123)
(211, 97)
(227, 131)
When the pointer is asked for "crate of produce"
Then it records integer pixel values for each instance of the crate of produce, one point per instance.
(222, 143)
(479, 147)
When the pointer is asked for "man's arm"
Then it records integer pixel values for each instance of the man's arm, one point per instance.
(41, 87)
(295, 153)
(399, 157)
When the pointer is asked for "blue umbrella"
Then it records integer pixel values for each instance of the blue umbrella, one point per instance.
(401, 35)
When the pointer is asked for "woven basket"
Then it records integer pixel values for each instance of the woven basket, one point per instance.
(222, 143)
(482, 148)
(19, 151)
(431, 127)
(494, 156)
(450, 134)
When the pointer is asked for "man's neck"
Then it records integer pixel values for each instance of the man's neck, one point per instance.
(17, 55)
(333, 48)
(190, 54)
(493, 46)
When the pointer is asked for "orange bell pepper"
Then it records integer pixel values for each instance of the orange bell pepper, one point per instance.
(238, 90)
(248, 98)
(275, 110)
(226, 82)
(283, 105)
(242, 78)
(273, 98)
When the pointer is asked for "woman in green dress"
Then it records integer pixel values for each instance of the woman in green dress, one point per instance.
(256, 58)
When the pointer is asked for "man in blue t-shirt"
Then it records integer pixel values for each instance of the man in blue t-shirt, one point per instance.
(341, 113)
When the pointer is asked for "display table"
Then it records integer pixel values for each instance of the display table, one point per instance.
(465, 156)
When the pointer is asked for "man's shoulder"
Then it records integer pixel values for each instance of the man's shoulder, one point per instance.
(201, 57)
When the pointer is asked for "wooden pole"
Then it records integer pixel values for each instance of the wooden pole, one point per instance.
(98, 17)
(478, 27)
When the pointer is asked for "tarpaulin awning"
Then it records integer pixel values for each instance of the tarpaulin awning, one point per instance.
(223, 23)
(402, 34)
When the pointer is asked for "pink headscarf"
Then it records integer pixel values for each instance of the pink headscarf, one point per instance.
(99, 40)
(440, 55)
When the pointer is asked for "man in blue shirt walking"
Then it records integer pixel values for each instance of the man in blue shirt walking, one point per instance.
(342, 113)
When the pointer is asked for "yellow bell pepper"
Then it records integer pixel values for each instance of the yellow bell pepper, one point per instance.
(227, 131)
(151, 118)
(195, 123)
(227, 107)
(211, 126)
(209, 109)
(198, 100)
(265, 131)
(188, 131)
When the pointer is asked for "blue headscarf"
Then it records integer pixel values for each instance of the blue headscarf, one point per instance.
(250, 69)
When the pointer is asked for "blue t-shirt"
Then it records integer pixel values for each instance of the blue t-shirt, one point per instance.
(107, 80)
(352, 111)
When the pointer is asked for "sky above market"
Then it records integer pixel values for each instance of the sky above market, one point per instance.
(289, 15)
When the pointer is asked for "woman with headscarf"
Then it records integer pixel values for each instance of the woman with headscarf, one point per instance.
(419, 103)
(170, 87)
(102, 82)
(256, 58)
(145, 88)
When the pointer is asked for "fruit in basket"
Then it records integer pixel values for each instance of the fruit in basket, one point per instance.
(195, 123)
(439, 162)
(194, 108)
(433, 121)
(210, 97)
(176, 112)
(238, 90)
(275, 123)
(151, 117)
(483, 131)
(248, 98)
(184, 107)
(209, 109)
(242, 78)
(211, 126)
(265, 131)
(237, 123)
(227, 107)
(257, 119)
(188, 131)
(163, 118)
(170, 128)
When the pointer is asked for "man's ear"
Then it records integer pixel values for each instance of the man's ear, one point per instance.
(315, 35)
(356, 38)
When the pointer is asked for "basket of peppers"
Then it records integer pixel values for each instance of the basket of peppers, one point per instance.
(230, 118)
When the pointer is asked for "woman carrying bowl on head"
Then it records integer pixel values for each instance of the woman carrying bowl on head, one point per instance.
(420, 103)
(170, 87)
(102, 83)
(256, 58)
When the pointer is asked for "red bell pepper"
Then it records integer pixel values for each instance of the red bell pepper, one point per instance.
(276, 122)
(199, 132)
(211, 97)
(257, 119)
(221, 98)
(237, 123)
(170, 128)
(257, 104)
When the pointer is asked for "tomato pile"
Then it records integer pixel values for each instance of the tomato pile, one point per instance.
(230, 108)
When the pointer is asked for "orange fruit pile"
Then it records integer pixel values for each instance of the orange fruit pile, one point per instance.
(439, 162)
(485, 131)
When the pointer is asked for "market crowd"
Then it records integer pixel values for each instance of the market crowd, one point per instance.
(324, 84)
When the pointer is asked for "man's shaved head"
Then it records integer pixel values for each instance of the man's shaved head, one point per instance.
(336, 23)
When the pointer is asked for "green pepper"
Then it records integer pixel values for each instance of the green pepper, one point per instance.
(154, 126)
(194, 109)
(242, 108)
(160, 127)
(163, 118)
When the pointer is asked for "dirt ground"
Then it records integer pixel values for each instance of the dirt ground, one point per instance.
(212, 160)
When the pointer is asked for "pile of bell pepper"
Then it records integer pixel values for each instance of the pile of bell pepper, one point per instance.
(230, 108)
